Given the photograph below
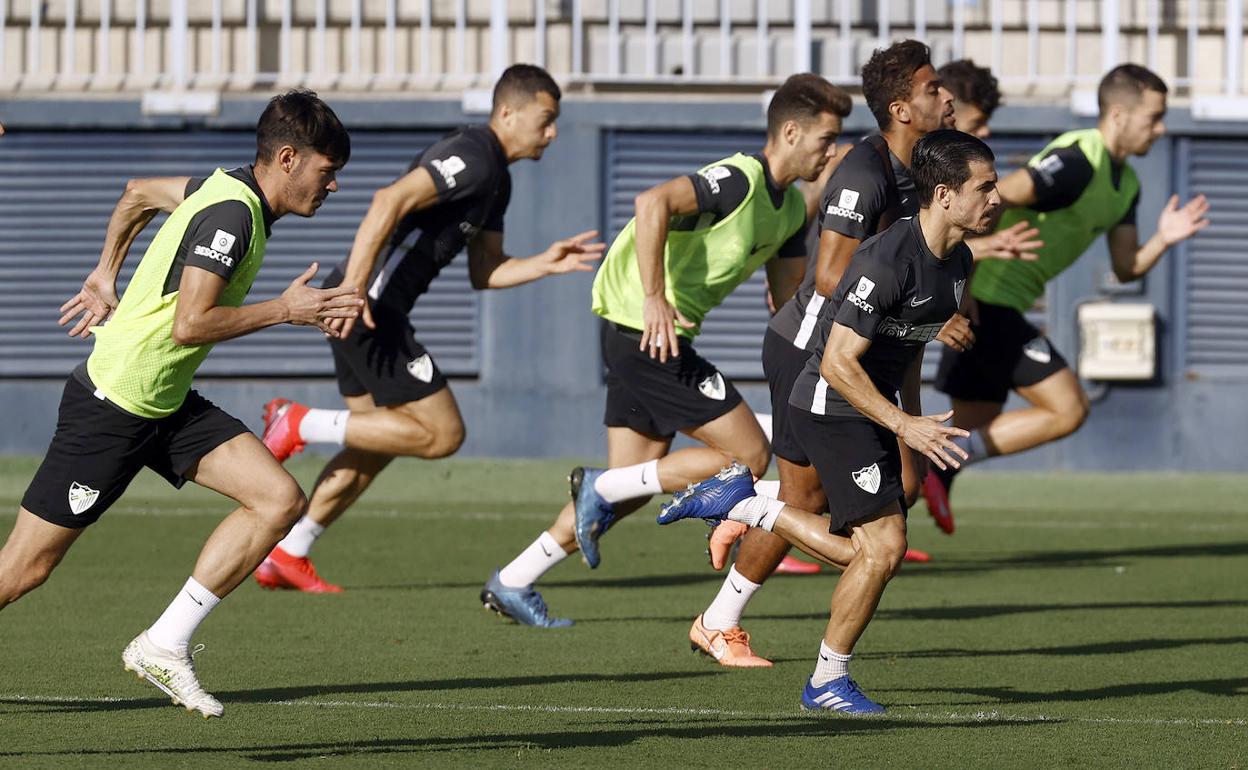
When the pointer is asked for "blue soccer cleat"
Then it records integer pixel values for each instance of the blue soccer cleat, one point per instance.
(840, 695)
(710, 500)
(594, 515)
(523, 605)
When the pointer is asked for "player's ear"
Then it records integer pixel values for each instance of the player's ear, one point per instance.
(286, 158)
(791, 131)
(900, 111)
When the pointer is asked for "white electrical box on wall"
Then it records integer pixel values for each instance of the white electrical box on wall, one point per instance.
(1117, 341)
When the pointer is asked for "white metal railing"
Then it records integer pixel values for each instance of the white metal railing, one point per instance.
(660, 42)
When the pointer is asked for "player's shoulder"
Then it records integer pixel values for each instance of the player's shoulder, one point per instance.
(864, 158)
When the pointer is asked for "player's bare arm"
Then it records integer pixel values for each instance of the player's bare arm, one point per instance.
(655, 208)
(835, 251)
(783, 278)
(1131, 260)
(842, 368)
(489, 267)
(138, 205)
(199, 320)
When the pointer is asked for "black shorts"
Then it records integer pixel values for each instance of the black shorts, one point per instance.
(660, 399)
(858, 462)
(387, 363)
(99, 448)
(1008, 353)
(782, 363)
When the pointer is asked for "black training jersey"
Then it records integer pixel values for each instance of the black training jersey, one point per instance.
(863, 197)
(1061, 177)
(897, 294)
(469, 168)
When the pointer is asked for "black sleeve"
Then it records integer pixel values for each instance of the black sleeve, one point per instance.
(855, 195)
(193, 185)
(795, 246)
(1129, 217)
(218, 238)
(872, 289)
(1060, 178)
(720, 189)
(461, 168)
(494, 223)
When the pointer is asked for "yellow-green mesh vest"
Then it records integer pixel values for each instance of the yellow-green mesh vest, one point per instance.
(702, 266)
(135, 362)
(1066, 232)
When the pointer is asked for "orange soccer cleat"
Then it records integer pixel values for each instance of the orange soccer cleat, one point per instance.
(281, 428)
(281, 570)
(914, 554)
(721, 539)
(729, 648)
(791, 565)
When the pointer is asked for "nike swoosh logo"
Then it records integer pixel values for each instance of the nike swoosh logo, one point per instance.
(543, 545)
(643, 476)
(823, 657)
(734, 586)
(915, 301)
(197, 601)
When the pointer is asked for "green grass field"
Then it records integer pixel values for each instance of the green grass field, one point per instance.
(1075, 621)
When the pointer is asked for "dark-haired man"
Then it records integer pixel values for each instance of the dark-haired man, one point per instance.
(1076, 188)
(895, 296)
(398, 402)
(975, 95)
(694, 239)
(131, 404)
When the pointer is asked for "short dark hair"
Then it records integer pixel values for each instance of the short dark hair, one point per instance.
(1126, 84)
(521, 83)
(972, 85)
(301, 120)
(804, 97)
(944, 157)
(889, 74)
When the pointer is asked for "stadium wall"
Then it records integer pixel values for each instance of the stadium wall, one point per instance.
(535, 387)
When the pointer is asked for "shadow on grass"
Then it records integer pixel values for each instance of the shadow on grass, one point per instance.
(983, 611)
(1229, 688)
(1100, 648)
(636, 581)
(817, 726)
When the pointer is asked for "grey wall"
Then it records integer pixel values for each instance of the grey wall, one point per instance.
(539, 391)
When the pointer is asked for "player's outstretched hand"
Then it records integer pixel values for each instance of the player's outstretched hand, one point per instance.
(957, 334)
(306, 306)
(659, 336)
(1018, 241)
(573, 254)
(930, 436)
(1178, 224)
(92, 305)
(340, 328)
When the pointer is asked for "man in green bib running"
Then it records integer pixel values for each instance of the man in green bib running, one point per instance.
(695, 238)
(1076, 188)
(130, 405)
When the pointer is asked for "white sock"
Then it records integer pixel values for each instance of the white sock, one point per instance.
(757, 511)
(764, 422)
(298, 542)
(533, 562)
(767, 487)
(324, 426)
(173, 630)
(632, 481)
(831, 665)
(725, 612)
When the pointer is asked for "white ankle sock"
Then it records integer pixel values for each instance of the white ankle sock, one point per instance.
(767, 487)
(757, 511)
(172, 630)
(324, 426)
(725, 612)
(298, 542)
(831, 665)
(533, 562)
(631, 481)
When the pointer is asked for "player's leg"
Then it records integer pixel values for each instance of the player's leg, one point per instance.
(510, 591)
(1058, 406)
(32, 551)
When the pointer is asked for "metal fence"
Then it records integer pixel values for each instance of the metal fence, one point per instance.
(451, 44)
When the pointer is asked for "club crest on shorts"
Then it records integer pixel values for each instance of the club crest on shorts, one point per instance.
(713, 387)
(958, 286)
(81, 497)
(1038, 350)
(421, 368)
(868, 478)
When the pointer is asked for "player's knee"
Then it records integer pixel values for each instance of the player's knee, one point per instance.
(447, 441)
(757, 459)
(1072, 417)
(284, 505)
(882, 552)
(18, 581)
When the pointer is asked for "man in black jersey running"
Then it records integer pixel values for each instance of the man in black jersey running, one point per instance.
(398, 402)
(896, 295)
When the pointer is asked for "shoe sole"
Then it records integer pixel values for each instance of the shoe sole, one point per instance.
(491, 603)
(575, 479)
(143, 676)
(695, 647)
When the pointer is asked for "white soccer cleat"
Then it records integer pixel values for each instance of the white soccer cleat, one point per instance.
(172, 673)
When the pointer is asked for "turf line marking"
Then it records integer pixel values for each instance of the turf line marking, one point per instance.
(951, 717)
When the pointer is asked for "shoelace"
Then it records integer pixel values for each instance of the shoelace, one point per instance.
(536, 604)
(737, 636)
(185, 680)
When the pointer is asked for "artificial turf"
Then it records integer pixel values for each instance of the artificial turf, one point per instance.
(1073, 620)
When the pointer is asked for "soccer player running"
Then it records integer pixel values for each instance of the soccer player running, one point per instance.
(1076, 188)
(975, 95)
(131, 404)
(693, 240)
(399, 404)
(897, 293)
